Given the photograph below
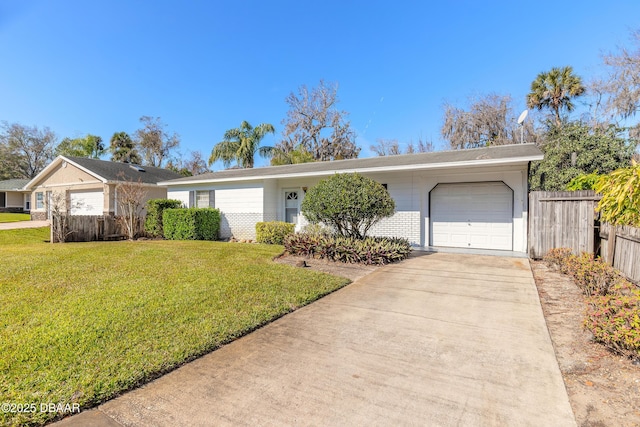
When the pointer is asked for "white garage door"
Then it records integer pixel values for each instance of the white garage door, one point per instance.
(472, 215)
(87, 202)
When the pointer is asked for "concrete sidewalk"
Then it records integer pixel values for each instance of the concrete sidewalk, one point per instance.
(23, 224)
(438, 340)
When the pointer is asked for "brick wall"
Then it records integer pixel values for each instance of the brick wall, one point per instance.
(38, 216)
(402, 224)
(239, 225)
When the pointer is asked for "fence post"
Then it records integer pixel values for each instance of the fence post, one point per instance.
(611, 244)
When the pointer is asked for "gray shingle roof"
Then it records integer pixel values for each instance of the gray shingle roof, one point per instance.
(116, 171)
(13, 184)
(502, 152)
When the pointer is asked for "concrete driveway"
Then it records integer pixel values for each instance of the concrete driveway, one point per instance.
(438, 340)
(23, 224)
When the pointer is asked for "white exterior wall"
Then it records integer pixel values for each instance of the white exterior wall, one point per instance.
(270, 201)
(241, 206)
(284, 185)
(182, 195)
(410, 191)
(404, 223)
(14, 199)
(245, 203)
(514, 177)
(241, 209)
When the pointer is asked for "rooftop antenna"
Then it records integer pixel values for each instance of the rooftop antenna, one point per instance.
(521, 119)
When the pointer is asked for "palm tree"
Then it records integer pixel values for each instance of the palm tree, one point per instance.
(555, 89)
(241, 144)
(297, 155)
(123, 149)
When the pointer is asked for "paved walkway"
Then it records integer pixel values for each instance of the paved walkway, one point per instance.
(23, 224)
(439, 340)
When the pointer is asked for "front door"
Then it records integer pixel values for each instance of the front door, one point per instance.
(291, 206)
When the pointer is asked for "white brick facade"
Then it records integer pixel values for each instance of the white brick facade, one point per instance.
(402, 224)
(246, 202)
(239, 225)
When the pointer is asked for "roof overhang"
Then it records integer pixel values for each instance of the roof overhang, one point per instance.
(509, 161)
(53, 165)
(14, 190)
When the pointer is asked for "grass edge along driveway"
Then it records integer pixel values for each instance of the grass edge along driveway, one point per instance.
(13, 217)
(84, 322)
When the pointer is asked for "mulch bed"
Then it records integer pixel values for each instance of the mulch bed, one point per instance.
(603, 387)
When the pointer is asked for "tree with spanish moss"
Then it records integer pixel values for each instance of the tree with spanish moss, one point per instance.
(154, 142)
(315, 125)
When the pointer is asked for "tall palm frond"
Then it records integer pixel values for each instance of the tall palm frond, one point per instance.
(555, 90)
(241, 144)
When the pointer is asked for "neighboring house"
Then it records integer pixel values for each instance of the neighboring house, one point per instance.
(89, 186)
(13, 196)
(467, 198)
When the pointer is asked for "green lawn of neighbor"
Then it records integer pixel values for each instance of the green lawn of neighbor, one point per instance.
(82, 322)
(14, 217)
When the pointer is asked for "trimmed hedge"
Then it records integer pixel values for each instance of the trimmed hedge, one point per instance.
(191, 224)
(153, 221)
(613, 303)
(274, 232)
(369, 251)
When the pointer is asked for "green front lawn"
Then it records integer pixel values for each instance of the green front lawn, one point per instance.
(23, 236)
(14, 217)
(82, 322)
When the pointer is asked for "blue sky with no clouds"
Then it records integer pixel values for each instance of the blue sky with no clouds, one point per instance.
(204, 66)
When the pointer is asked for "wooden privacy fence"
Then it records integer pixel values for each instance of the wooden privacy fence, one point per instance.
(567, 219)
(86, 228)
(620, 247)
(562, 219)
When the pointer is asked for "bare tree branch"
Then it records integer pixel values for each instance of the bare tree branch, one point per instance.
(25, 150)
(154, 142)
(315, 124)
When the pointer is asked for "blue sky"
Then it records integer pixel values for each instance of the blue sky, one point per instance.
(96, 67)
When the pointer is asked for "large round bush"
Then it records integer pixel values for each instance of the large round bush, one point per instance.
(349, 202)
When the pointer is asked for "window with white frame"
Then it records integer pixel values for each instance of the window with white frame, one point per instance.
(39, 200)
(204, 199)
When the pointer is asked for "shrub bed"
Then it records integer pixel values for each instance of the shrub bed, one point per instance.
(153, 222)
(592, 275)
(273, 232)
(369, 251)
(614, 321)
(191, 224)
(613, 303)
